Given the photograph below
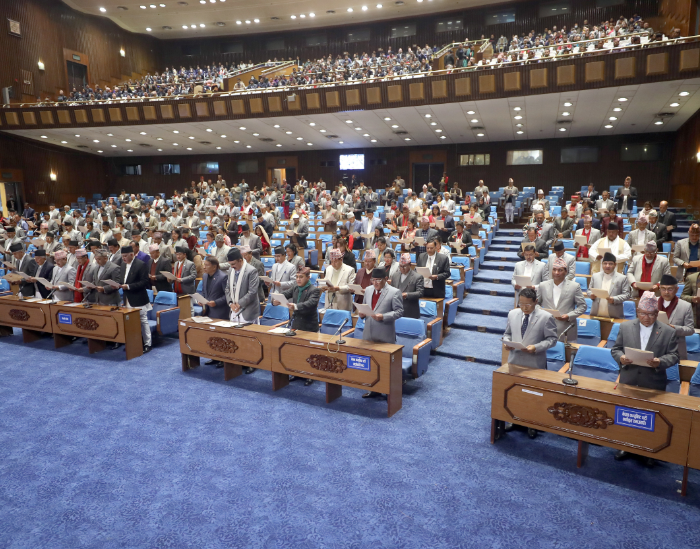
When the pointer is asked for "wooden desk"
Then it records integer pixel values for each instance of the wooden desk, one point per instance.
(587, 412)
(99, 324)
(305, 355)
(34, 318)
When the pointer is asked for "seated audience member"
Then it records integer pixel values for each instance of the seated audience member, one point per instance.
(617, 286)
(648, 267)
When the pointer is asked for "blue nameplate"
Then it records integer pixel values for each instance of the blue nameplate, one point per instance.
(358, 362)
(65, 318)
(638, 419)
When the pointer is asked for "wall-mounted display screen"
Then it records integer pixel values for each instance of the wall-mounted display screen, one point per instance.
(352, 161)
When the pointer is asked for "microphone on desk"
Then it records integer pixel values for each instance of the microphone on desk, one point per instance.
(570, 380)
(86, 305)
(290, 332)
(340, 341)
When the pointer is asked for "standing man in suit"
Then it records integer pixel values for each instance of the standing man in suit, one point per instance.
(687, 250)
(62, 273)
(659, 230)
(82, 272)
(156, 264)
(338, 277)
(363, 277)
(369, 224)
(283, 273)
(539, 245)
(640, 235)
(545, 231)
(24, 264)
(679, 312)
(531, 267)
(242, 291)
(563, 225)
(559, 253)
(604, 204)
(258, 266)
(648, 267)
(510, 196)
(410, 284)
(44, 270)
(387, 307)
(214, 291)
(690, 293)
(667, 219)
(562, 295)
(439, 267)
(646, 333)
(301, 227)
(247, 239)
(591, 234)
(426, 233)
(134, 281)
(186, 274)
(617, 286)
(626, 196)
(104, 294)
(115, 255)
(591, 193)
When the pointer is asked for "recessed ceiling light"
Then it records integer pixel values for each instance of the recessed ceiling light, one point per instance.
(348, 121)
(309, 144)
(471, 112)
(683, 94)
(175, 144)
(623, 99)
(276, 126)
(617, 109)
(518, 117)
(473, 120)
(256, 134)
(193, 26)
(249, 146)
(202, 25)
(562, 129)
(443, 137)
(365, 135)
(64, 142)
(433, 123)
(480, 135)
(364, 8)
(191, 137)
(142, 133)
(312, 14)
(176, 131)
(349, 10)
(312, 123)
(518, 125)
(566, 113)
(185, 27)
(239, 22)
(675, 104)
(218, 148)
(658, 122)
(45, 137)
(294, 16)
(438, 131)
(256, 20)
(608, 126)
(247, 21)
(373, 140)
(162, 5)
(394, 125)
(428, 115)
(242, 128)
(94, 140)
(110, 135)
(100, 151)
(323, 131)
(302, 16)
(341, 142)
(160, 150)
(153, 6)
(358, 129)
(103, 10)
(612, 118)
(386, 118)
(567, 104)
(189, 148)
(142, 7)
(299, 138)
(279, 144)
(223, 137)
(77, 135)
(236, 141)
(288, 133)
(130, 150)
(379, 6)
(209, 130)
(159, 139)
(407, 139)
(520, 132)
(113, 146)
(517, 109)
(128, 140)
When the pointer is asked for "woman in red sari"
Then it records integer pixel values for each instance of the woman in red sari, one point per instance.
(264, 239)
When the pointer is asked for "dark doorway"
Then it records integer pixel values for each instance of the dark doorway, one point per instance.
(291, 176)
(424, 172)
(77, 76)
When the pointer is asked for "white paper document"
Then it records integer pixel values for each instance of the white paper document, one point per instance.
(603, 251)
(363, 309)
(599, 293)
(168, 275)
(638, 248)
(420, 241)
(423, 271)
(524, 281)
(554, 312)
(513, 345)
(200, 319)
(43, 281)
(638, 357)
(266, 279)
(88, 285)
(199, 298)
(357, 289)
(644, 285)
(663, 317)
(112, 283)
(281, 330)
(280, 298)
(440, 224)
(580, 240)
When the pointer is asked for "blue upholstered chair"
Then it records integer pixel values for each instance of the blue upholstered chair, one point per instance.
(588, 331)
(596, 362)
(332, 319)
(410, 332)
(164, 316)
(433, 323)
(556, 356)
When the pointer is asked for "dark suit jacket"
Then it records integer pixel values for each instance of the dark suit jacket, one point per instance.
(413, 288)
(29, 267)
(137, 281)
(664, 344)
(630, 199)
(541, 250)
(661, 234)
(595, 223)
(45, 271)
(441, 268)
(466, 240)
(162, 284)
(215, 290)
(563, 226)
(450, 226)
(306, 315)
(668, 218)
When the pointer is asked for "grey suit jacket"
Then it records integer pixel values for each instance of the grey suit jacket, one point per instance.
(682, 320)
(570, 263)
(29, 267)
(681, 254)
(66, 274)
(632, 236)
(413, 287)
(634, 272)
(261, 272)
(619, 290)
(390, 306)
(248, 294)
(541, 332)
(541, 248)
(285, 273)
(595, 235)
(571, 303)
(214, 289)
(117, 258)
(538, 275)
(189, 275)
(564, 226)
(663, 342)
(110, 296)
(607, 204)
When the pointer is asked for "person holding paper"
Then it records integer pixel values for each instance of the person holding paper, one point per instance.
(282, 274)
(214, 283)
(647, 269)
(24, 264)
(612, 242)
(103, 269)
(530, 267)
(462, 236)
(531, 238)
(604, 204)
(448, 224)
(62, 273)
(667, 219)
(242, 291)
(424, 232)
(439, 267)
(369, 224)
(134, 281)
(625, 196)
(364, 274)
(44, 270)
(563, 225)
(426, 195)
(82, 270)
(541, 201)
(559, 253)
(657, 228)
(589, 236)
(390, 263)
(510, 196)
(300, 226)
(564, 296)
(615, 284)
(640, 236)
(686, 253)
(678, 311)
(338, 277)
(410, 284)
(185, 273)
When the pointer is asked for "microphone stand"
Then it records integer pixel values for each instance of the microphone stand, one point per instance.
(569, 380)
(290, 332)
(340, 341)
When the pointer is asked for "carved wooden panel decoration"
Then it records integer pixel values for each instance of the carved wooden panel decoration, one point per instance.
(47, 118)
(595, 71)
(332, 99)
(115, 114)
(80, 116)
(326, 363)
(274, 104)
(463, 86)
(395, 93)
(149, 112)
(12, 118)
(657, 63)
(98, 116)
(625, 67)
(166, 112)
(20, 315)
(202, 108)
(538, 78)
(583, 416)
(690, 60)
(374, 95)
(487, 83)
(566, 75)
(415, 91)
(219, 108)
(184, 110)
(313, 101)
(511, 81)
(29, 118)
(63, 116)
(439, 89)
(132, 114)
(238, 106)
(352, 98)
(222, 345)
(256, 105)
(86, 324)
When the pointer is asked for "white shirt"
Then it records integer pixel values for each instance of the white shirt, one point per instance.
(644, 334)
(641, 236)
(605, 285)
(529, 265)
(427, 283)
(556, 293)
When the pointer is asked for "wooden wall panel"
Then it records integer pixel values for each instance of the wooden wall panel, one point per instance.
(685, 168)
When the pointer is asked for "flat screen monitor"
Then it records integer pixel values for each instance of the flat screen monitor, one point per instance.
(352, 161)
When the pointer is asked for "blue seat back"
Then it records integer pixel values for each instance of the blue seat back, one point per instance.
(150, 295)
(333, 318)
(556, 356)
(589, 304)
(274, 314)
(428, 310)
(695, 384)
(583, 282)
(166, 298)
(409, 332)
(629, 310)
(359, 328)
(673, 379)
(692, 343)
(614, 331)
(596, 362)
(583, 268)
(588, 327)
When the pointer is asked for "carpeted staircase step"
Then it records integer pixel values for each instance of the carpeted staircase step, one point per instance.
(499, 265)
(472, 346)
(501, 256)
(485, 288)
(505, 247)
(480, 323)
(487, 305)
(493, 276)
